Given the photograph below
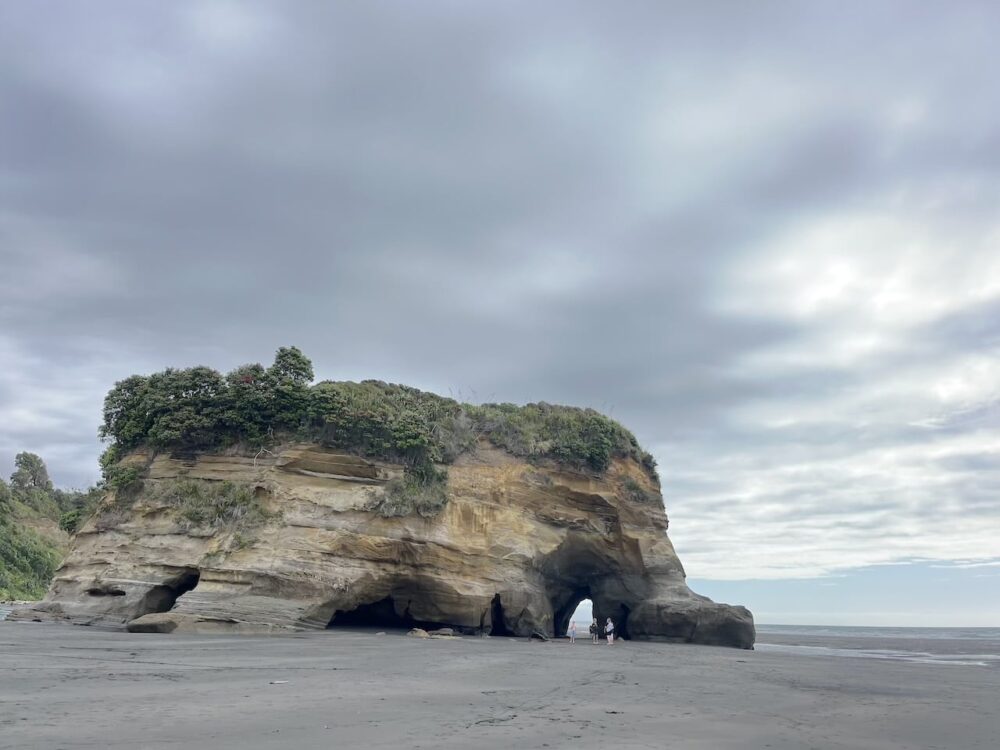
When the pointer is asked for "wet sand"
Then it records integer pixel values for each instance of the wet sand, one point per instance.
(73, 687)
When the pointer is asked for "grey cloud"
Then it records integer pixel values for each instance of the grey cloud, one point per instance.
(506, 203)
(978, 324)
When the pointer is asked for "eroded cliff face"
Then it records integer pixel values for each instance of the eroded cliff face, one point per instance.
(514, 550)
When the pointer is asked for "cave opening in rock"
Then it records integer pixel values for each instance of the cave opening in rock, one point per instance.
(105, 591)
(162, 598)
(582, 616)
(581, 569)
(379, 614)
(617, 611)
(498, 626)
(564, 610)
(620, 618)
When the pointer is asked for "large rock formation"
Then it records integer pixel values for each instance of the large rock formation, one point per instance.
(515, 548)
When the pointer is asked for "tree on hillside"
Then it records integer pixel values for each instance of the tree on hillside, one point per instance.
(77, 506)
(30, 473)
(4, 496)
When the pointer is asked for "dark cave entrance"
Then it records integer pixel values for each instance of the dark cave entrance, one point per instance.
(620, 619)
(380, 614)
(580, 569)
(162, 598)
(105, 591)
(619, 616)
(600, 609)
(498, 626)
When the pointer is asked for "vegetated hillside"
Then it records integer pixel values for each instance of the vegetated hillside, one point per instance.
(200, 409)
(35, 522)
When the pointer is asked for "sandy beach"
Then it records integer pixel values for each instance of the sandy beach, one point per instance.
(72, 687)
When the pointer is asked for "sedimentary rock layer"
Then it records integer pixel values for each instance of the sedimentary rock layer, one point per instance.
(514, 550)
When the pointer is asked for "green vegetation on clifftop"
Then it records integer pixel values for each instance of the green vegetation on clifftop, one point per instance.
(200, 409)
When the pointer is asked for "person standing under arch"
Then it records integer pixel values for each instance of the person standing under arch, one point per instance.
(593, 630)
(609, 631)
(572, 631)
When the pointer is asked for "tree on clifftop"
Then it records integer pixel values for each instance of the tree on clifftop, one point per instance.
(186, 406)
(291, 367)
(289, 377)
(127, 419)
(198, 408)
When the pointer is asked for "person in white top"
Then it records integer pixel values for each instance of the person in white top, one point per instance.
(609, 630)
(572, 632)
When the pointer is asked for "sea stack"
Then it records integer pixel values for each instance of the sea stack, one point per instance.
(499, 534)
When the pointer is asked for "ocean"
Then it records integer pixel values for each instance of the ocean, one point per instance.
(944, 646)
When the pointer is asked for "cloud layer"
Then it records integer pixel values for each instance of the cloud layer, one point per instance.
(766, 239)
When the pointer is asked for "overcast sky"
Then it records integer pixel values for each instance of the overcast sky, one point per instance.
(764, 236)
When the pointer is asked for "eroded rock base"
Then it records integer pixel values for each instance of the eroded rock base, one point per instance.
(514, 550)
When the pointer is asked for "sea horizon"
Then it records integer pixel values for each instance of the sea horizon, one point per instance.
(950, 631)
(959, 632)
